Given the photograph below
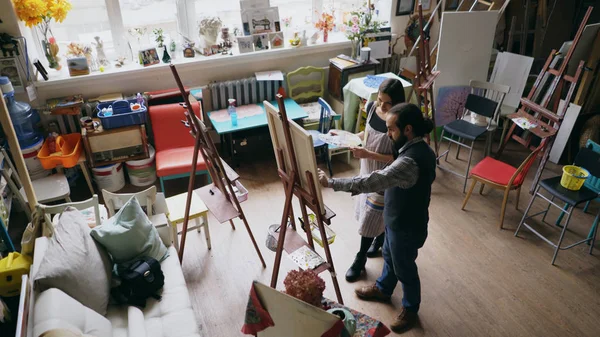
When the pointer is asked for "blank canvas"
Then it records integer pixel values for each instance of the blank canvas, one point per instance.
(512, 70)
(303, 147)
(566, 127)
(465, 47)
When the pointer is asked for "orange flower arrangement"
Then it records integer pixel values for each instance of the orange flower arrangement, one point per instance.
(325, 24)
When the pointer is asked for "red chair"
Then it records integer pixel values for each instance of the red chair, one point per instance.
(502, 176)
(173, 142)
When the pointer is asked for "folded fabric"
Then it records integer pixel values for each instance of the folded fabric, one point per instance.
(257, 318)
(129, 234)
(76, 264)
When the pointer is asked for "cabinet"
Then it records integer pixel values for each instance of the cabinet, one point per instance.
(341, 72)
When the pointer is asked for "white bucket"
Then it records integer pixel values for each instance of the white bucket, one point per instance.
(142, 172)
(110, 177)
(34, 166)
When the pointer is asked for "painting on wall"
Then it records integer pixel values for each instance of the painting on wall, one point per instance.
(450, 104)
(404, 7)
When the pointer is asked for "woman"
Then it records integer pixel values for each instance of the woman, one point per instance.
(375, 154)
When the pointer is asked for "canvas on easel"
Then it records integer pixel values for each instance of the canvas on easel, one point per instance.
(219, 197)
(297, 168)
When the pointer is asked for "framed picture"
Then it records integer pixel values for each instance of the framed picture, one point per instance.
(425, 3)
(78, 66)
(452, 5)
(259, 21)
(261, 41)
(245, 44)
(276, 40)
(149, 57)
(404, 7)
(10, 69)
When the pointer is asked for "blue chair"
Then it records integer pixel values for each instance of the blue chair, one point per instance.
(325, 122)
(593, 183)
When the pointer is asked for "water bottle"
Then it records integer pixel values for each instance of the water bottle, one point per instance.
(231, 111)
(24, 119)
(139, 99)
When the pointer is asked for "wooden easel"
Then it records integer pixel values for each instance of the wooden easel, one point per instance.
(425, 78)
(219, 196)
(289, 239)
(548, 123)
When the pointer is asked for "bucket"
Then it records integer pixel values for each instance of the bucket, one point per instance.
(573, 177)
(109, 177)
(34, 166)
(142, 172)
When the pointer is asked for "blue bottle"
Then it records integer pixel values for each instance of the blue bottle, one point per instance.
(232, 112)
(24, 119)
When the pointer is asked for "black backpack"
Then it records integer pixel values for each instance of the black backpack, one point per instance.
(141, 280)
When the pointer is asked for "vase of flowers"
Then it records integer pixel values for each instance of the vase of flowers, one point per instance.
(325, 24)
(361, 22)
(305, 286)
(209, 29)
(39, 13)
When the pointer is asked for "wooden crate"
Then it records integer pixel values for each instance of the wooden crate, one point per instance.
(104, 147)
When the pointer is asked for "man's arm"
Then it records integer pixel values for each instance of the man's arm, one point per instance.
(403, 173)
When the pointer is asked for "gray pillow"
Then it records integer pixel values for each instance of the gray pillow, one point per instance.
(76, 264)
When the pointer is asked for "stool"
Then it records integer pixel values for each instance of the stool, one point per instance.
(198, 213)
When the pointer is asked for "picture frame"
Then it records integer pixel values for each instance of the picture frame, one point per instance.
(245, 44)
(404, 7)
(276, 39)
(262, 20)
(78, 66)
(426, 5)
(149, 57)
(10, 68)
(261, 41)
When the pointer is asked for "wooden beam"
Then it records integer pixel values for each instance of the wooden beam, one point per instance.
(11, 136)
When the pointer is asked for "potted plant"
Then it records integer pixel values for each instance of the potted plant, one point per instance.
(159, 37)
(305, 286)
(38, 13)
(325, 24)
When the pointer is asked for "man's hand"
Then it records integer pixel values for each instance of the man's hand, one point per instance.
(360, 152)
(323, 178)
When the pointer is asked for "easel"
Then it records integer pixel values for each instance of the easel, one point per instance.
(425, 78)
(548, 123)
(221, 201)
(289, 239)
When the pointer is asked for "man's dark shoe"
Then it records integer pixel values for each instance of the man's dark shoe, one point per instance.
(371, 293)
(376, 246)
(404, 321)
(357, 268)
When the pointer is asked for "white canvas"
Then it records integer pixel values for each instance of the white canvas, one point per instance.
(512, 70)
(465, 47)
(566, 127)
(303, 147)
(583, 48)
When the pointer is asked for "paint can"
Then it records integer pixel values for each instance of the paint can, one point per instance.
(109, 177)
(34, 166)
(142, 172)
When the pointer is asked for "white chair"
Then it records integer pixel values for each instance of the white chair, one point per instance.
(155, 204)
(89, 204)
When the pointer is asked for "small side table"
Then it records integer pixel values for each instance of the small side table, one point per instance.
(198, 213)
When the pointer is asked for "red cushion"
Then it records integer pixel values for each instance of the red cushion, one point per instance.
(177, 161)
(169, 132)
(496, 171)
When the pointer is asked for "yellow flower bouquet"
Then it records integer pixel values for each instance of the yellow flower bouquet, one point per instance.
(39, 13)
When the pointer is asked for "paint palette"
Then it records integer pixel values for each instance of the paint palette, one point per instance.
(341, 138)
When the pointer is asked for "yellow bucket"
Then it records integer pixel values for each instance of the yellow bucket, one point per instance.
(573, 177)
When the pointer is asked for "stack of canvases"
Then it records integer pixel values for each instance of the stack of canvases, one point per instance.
(73, 274)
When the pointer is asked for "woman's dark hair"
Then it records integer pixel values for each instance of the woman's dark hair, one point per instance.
(393, 88)
(410, 114)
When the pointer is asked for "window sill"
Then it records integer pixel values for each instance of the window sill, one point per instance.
(58, 79)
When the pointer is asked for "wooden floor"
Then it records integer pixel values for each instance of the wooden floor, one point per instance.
(477, 280)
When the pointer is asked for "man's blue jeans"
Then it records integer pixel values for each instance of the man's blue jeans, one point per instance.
(400, 251)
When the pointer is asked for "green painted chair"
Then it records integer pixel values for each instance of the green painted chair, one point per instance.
(305, 86)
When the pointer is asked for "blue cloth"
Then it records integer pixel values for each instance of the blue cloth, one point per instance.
(399, 255)
(373, 81)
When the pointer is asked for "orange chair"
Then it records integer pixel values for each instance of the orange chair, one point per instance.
(173, 142)
(502, 176)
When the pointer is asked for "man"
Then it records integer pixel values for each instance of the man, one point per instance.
(407, 184)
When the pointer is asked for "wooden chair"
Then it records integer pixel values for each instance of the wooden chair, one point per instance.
(305, 90)
(154, 204)
(501, 176)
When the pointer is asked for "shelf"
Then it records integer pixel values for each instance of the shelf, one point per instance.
(216, 203)
(293, 241)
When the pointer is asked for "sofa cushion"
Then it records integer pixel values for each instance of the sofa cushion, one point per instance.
(177, 161)
(75, 263)
(56, 310)
(129, 234)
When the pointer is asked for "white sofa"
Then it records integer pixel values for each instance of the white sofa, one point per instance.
(173, 316)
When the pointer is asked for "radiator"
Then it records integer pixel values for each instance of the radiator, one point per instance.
(245, 91)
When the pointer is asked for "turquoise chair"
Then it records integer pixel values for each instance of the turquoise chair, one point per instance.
(593, 183)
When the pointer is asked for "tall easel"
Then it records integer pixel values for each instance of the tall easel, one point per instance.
(289, 239)
(219, 196)
(547, 122)
(425, 78)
